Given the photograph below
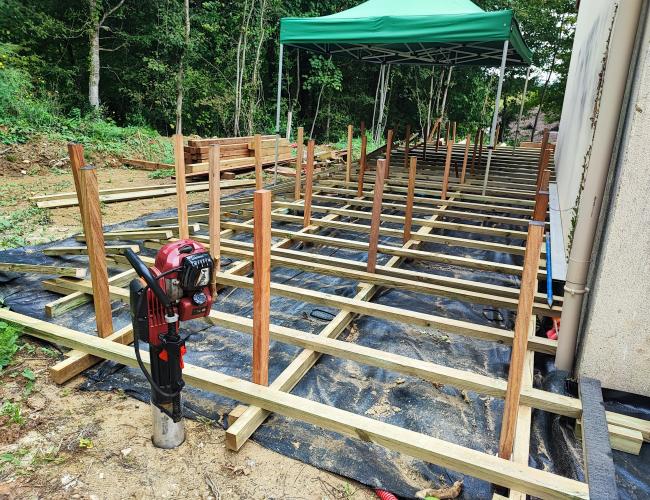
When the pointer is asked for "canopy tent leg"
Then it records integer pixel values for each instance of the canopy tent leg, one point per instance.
(521, 110)
(495, 117)
(277, 115)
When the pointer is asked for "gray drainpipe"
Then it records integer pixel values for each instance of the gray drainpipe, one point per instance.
(611, 104)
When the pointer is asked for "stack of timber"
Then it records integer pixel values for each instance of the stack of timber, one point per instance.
(237, 153)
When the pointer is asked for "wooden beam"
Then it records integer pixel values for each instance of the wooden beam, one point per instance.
(76, 154)
(96, 255)
(83, 250)
(309, 183)
(420, 446)
(407, 144)
(299, 155)
(261, 286)
(408, 214)
(520, 344)
(389, 147)
(75, 272)
(259, 172)
(181, 193)
(445, 180)
(362, 164)
(348, 159)
(214, 217)
(376, 214)
(541, 198)
(463, 171)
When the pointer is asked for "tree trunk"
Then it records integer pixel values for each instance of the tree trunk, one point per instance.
(428, 123)
(179, 78)
(93, 81)
(313, 123)
(255, 87)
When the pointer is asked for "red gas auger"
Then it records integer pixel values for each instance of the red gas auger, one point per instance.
(176, 288)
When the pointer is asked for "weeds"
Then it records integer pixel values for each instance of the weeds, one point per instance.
(163, 173)
(13, 411)
(8, 343)
(17, 225)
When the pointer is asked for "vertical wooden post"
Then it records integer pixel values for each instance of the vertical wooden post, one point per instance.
(424, 143)
(214, 211)
(309, 183)
(407, 144)
(296, 192)
(496, 135)
(543, 156)
(181, 193)
(471, 167)
(480, 148)
(259, 172)
(389, 147)
(376, 216)
(94, 234)
(463, 171)
(520, 342)
(445, 179)
(439, 126)
(453, 138)
(408, 214)
(447, 130)
(541, 198)
(348, 163)
(362, 164)
(261, 285)
(76, 154)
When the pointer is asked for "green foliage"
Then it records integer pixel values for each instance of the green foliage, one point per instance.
(19, 223)
(13, 411)
(9, 334)
(162, 173)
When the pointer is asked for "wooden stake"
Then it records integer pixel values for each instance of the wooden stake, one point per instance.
(407, 144)
(362, 164)
(376, 216)
(445, 179)
(541, 198)
(96, 255)
(214, 214)
(299, 155)
(480, 148)
(76, 154)
(181, 193)
(259, 179)
(309, 183)
(348, 162)
(447, 130)
(261, 285)
(471, 167)
(408, 214)
(496, 135)
(389, 147)
(454, 135)
(520, 342)
(463, 171)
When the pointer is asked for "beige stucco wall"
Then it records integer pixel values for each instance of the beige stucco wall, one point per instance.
(615, 345)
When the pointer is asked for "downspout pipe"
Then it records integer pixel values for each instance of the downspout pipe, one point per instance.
(617, 72)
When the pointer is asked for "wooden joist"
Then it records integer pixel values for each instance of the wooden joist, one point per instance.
(75, 272)
(421, 446)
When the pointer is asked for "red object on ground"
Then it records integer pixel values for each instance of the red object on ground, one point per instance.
(553, 332)
(385, 495)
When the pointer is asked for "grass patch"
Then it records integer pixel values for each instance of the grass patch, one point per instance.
(17, 225)
(163, 173)
(356, 146)
(13, 411)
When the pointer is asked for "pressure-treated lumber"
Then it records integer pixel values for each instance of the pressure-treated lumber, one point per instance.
(524, 314)
(259, 173)
(389, 147)
(299, 155)
(362, 164)
(261, 286)
(620, 438)
(309, 183)
(407, 144)
(96, 255)
(445, 180)
(181, 193)
(348, 159)
(464, 169)
(541, 199)
(214, 216)
(423, 447)
(373, 241)
(83, 250)
(10, 267)
(408, 214)
(76, 154)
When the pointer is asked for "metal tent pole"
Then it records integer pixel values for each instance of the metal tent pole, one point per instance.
(521, 110)
(496, 114)
(277, 115)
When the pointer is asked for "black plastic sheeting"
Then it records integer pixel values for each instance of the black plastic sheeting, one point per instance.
(461, 417)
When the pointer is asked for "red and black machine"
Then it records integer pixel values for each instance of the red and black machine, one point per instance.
(176, 288)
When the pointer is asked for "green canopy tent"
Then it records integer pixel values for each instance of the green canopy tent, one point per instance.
(431, 32)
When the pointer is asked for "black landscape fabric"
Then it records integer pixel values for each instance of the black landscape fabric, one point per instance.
(462, 417)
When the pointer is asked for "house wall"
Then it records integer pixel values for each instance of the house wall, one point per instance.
(581, 103)
(615, 344)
